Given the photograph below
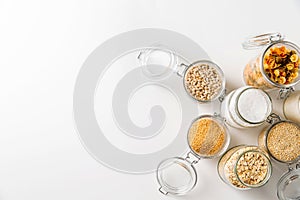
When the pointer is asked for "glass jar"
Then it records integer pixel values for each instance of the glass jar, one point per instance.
(276, 67)
(207, 138)
(244, 167)
(282, 141)
(246, 107)
(203, 80)
(291, 107)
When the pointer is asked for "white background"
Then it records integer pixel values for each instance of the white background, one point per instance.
(42, 47)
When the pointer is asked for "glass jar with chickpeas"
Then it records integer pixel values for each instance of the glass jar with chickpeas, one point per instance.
(276, 67)
(244, 167)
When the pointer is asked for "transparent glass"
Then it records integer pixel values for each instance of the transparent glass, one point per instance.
(256, 74)
(281, 141)
(246, 107)
(282, 144)
(208, 138)
(241, 160)
(291, 107)
(288, 187)
(176, 176)
(203, 80)
(210, 89)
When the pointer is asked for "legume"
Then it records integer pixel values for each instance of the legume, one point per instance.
(203, 82)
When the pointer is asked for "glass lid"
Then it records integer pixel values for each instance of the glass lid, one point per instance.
(288, 187)
(176, 176)
(130, 103)
(255, 42)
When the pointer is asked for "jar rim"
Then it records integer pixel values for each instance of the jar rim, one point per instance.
(286, 43)
(285, 180)
(269, 164)
(298, 104)
(266, 95)
(221, 123)
(167, 188)
(266, 141)
(220, 72)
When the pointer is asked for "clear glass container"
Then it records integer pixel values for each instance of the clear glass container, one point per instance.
(282, 142)
(277, 66)
(246, 107)
(207, 138)
(244, 167)
(291, 107)
(203, 80)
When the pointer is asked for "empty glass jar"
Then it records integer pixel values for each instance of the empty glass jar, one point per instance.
(244, 167)
(207, 138)
(246, 107)
(277, 66)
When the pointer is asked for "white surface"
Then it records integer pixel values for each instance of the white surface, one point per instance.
(42, 47)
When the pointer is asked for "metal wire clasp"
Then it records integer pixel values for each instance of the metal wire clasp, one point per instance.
(272, 118)
(191, 158)
(262, 40)
(285, 92)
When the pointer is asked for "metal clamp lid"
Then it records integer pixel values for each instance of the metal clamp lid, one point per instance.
(262, 40)
(288, 185)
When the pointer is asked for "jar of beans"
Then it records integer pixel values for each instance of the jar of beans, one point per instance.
(282, 141)
(207, 138)
(244, 167)
(276, 67)
(203, 80)
(246, 107)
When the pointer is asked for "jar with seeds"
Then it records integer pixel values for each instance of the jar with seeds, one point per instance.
(203, 80)
(207, 138)
(277, 66)
(282, 142)
(244, 167)
(246, 107)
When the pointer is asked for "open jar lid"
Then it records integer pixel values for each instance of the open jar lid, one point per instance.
(262, 40)
(176, 176)
(288, 187)
(203, 80)
(207, 138)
